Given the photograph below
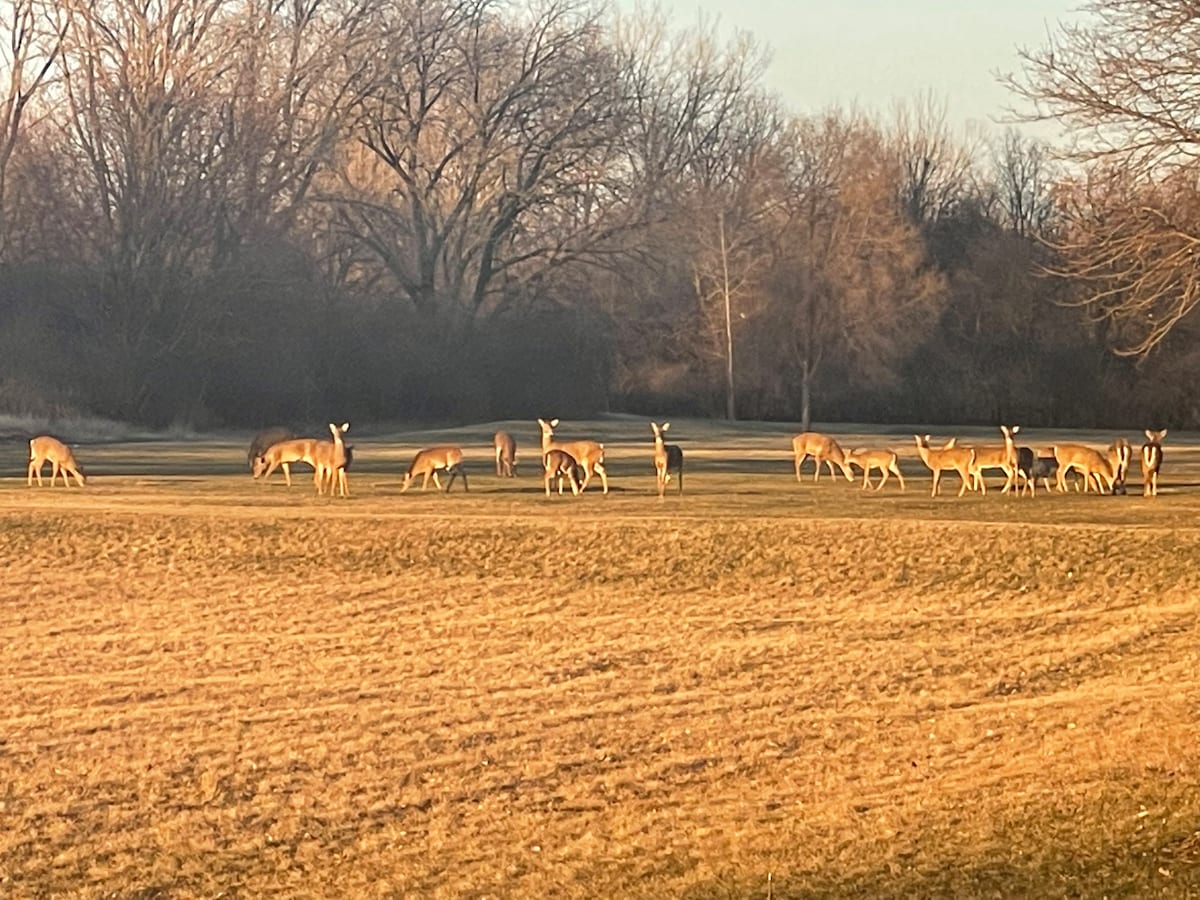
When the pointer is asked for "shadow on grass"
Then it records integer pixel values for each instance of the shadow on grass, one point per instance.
(1056, 874)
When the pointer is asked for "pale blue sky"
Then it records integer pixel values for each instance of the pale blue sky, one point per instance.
(872, 53)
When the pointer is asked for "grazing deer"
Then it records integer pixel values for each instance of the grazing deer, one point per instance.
(1093, 465)
(668, 458)
(588, 454)
(1152, 457)
(506, 454)
(1003, 457)
(951, 457)
(45, 449)
(883, 460)
(430, 461)
(330, 461)
(560, 464)
(1032, 467)
(1119, 454)
(822, 448)
(283, 454)
(263, 440)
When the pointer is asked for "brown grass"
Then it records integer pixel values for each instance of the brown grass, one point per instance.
(219, 688)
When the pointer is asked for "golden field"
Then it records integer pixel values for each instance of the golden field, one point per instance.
(761, 688)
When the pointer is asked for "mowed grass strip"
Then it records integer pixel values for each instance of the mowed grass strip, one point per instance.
(496, 695)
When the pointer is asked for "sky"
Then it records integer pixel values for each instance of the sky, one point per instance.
(872, 54)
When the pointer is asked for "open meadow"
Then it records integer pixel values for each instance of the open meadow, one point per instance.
(216, 687)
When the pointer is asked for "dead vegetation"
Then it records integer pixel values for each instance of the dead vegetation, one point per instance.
(215, 687)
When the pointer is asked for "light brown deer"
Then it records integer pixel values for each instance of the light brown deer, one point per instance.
(950, 458)
(430, 461)
(1002, 457)
(330, 460)
(668, 458)
(265, 439)
(506, 454)
(560, 464)
(283, 455)
(43, 449)
(1152, 457)
(885, 461)
(822, 448)
(588, 454)
(1094, 466)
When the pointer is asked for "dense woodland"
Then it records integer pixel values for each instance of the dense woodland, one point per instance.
(231, 212)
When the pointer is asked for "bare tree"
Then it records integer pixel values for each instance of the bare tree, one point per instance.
(937, 169)
(1024, 178)
(30, 38)
(851, 278)
(1123, 83)
(193, 126)
(1129, 251)
(733, 224)
(487, 141)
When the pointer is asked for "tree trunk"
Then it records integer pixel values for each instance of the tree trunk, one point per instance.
(730, 405)
(805, 396)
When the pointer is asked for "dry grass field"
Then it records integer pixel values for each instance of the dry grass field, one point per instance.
(761, 688)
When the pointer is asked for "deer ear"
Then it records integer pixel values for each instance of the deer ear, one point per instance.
(554, 423)
(666, 425)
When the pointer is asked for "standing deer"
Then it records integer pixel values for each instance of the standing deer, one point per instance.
(506, 454)
(560, 464)
(1097, 470)
(588, 454)
(330, 461)
(282, 455)
(668, 458)
(1152, 457)
(265, 439)
(430, 461)
(950, 458)
(1119, 455)
(822, 448)
(1002, 457)
(45, 449)
(883, 460)
(1032, 467)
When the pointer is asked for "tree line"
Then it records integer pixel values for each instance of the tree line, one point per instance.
(234, 211)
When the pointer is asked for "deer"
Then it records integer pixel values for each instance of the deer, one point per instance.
(430, 461)
(951, 457)
(822, 448)
(588, 454)
(560, 464)
(1032, 467)
(43, 449)
(1093, 465)
(330, 461)
(1119, 454)
(883, 460)
(1152, 457)
(283, 454)
(264, 439)
(1002, 457)
(506, 454)
(668, 458)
